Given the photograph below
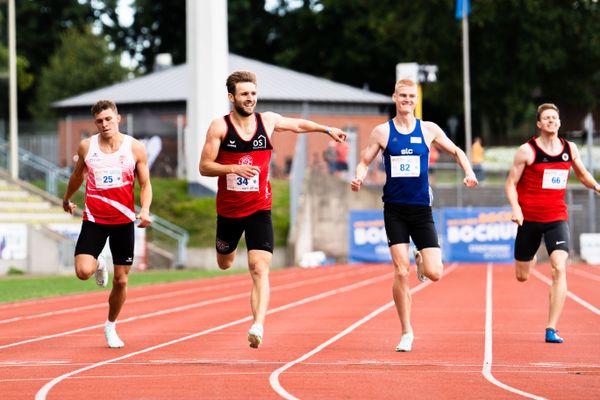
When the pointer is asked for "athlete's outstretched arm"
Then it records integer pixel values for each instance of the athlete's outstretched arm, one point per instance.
(298, 125)
(77, 176)
(522, 157)
(208, 164)
(447, 145)
(143, 176)
(367, 155)
(581, 171)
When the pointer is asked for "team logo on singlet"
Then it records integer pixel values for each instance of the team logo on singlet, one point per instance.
(246, 160)
(565, 157)
(259, 142)
(231, 144)
(221, 245)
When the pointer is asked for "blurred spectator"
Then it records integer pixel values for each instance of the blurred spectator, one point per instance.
(477, 154)
(330, 155)
(434, 155)
(341, 162)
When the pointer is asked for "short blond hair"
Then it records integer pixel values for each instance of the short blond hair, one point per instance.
(404, 82)
(544, 107)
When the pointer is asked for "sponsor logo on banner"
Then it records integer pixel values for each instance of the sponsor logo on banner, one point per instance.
(478, 234)
(368, 240)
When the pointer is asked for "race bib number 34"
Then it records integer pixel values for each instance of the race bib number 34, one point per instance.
(108, 178)
(555, 178)
(240, 184)
(405, 166)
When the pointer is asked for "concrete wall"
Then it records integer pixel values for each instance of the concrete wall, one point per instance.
(323, 214)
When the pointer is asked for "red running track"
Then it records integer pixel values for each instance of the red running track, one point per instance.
(330, 334)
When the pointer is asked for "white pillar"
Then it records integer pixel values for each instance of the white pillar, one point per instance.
(207, 61)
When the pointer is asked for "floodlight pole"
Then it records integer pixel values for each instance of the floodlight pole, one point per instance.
(12, 91)
(466, 80)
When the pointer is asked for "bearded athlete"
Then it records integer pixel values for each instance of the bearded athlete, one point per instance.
(238, 151)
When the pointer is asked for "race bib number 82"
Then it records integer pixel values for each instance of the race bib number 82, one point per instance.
(405, 166)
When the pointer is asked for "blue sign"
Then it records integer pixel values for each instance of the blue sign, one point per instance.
(478, 234)
(368, 240)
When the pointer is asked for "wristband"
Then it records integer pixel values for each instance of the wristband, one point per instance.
(328, 130)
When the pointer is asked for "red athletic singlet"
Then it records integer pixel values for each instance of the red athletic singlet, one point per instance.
(237, 196)
(109, 189)
(543, 184)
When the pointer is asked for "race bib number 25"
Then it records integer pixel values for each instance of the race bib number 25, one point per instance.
(241, 184)
(108, 178)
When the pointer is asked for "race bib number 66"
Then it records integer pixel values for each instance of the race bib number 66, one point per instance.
(555, 178)
(240, 184)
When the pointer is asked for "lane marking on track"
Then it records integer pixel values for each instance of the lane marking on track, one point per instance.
(584, 274)
(488, 352)
(176, 293)
(178, 309)
(43, 392)
(274, 377)
(570, 294)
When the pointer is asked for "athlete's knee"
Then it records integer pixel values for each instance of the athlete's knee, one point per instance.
(225, 261)
(435, 275)
(259, 269)
(401, 271)
(83, 271)
(522, 276)
(120, 281)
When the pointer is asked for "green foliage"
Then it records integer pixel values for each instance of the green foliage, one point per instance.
(198, 215)
(15, 288)
(82, 62)
(40, 24)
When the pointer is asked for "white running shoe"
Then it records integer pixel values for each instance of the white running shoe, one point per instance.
(420, 275)
(112, 339)
(406, 342)
(102, 272)
(255, 335)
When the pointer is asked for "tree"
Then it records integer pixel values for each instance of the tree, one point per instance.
(83, 62)
(39, 26)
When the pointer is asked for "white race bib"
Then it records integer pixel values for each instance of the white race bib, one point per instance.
(555, 178)
(240, 184)
(108, 178)
(405, 166)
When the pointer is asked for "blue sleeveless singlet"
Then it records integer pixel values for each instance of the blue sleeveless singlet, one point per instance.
(406, 158)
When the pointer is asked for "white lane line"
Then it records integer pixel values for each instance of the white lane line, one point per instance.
(175, 309)
(584, 274)
(43, 392)
(570, 294)
(274, 378)
(488, 352)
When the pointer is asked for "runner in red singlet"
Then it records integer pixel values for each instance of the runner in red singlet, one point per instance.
(535, 189)
(109, 161)
(238, 151)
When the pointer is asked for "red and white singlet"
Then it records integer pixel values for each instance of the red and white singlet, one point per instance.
(109, 197)
(238, 196)
(543, 184)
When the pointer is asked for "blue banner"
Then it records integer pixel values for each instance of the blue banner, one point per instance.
(459, 8)
(367, 239)
(478, 234)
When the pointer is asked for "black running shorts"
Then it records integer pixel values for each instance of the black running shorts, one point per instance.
(529, 236)
(120, 240)
(257, 229)
(403, 222)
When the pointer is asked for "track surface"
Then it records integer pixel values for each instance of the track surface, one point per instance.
(330, 334)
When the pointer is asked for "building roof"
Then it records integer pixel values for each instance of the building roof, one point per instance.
(275, 83)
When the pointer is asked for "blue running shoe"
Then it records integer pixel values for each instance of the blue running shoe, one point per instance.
(552, 336)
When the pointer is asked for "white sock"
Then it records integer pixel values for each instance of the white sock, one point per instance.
(109, 324)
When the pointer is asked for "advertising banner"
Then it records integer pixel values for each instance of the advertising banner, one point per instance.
(478, 234)
(367, 241)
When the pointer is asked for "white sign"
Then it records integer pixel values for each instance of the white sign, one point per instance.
(13, 241)
(590, 247)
